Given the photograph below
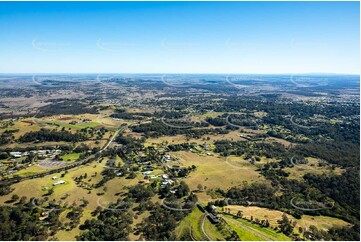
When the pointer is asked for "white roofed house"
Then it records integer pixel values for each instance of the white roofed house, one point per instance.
(59, 182)
(167, 182)
(16, 154)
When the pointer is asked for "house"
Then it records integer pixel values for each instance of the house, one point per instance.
(173, 191)
(43, 216)
(165, 176)
(166, 182)
(16, 154)
(59, 182)
(54, 177)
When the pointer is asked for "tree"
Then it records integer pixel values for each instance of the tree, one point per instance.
(285, 225)
(200, 187)
(50, 191)
(14, 197)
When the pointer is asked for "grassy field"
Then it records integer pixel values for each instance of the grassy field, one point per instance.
(178, 139)
(212, 231)
(23, 127)
(71, 157)
(213, 172)
(299, 170)
(70, 235)
(321, 222)
(34, 169)
(243, 233)
(259, 231)
(191, 224)
(75, 192)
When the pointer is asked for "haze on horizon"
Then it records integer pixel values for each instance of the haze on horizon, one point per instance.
(180, 37)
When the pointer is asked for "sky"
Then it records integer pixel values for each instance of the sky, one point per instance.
(180, 37)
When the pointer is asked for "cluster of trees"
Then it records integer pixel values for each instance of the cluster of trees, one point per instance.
(249, 149)
(157, 128)
(161, 223)
(140, 193)
(130, 142)
(81, 148)
(337, 194)
(110, 225)
(345, 154)
(179, 147)
(21, 222)
(279, 113)
(52, 135)
(216, 121)
(344, 189)
(5, 189)
(286, 225)
(131, 116)
(66, 107)
(7, 136)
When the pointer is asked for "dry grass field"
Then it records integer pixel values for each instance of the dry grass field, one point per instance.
(178, 139)
(213, 172)
(74, 193)
(321, 222)
(312, 167)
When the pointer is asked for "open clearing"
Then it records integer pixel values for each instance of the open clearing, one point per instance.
(321, 222)
(261, 232)
(299, 170)
(190, 227)
(213, 172)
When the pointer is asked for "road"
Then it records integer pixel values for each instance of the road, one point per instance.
(65, 168)
(202, 226)
(113, 137)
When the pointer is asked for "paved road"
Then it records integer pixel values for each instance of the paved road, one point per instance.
(113, 137)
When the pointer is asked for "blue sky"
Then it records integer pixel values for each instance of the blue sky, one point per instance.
(179, 37)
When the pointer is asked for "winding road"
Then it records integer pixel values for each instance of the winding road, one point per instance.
(202, 226)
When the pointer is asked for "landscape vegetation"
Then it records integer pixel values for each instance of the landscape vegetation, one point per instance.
(149, 157)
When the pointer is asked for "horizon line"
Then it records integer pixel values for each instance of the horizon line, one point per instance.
(172, 73)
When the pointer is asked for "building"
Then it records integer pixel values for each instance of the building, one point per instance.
(16, 154)
(167, 182)
(59, 182)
